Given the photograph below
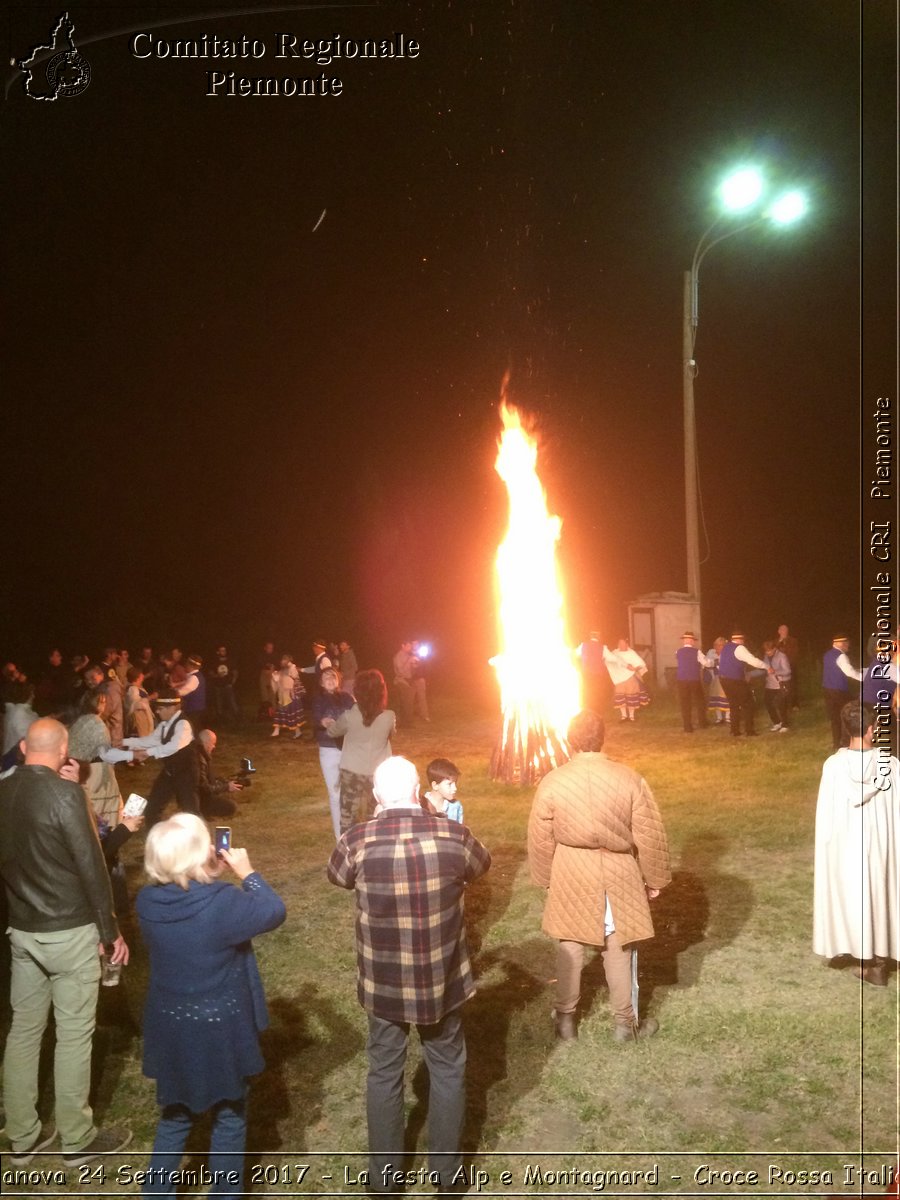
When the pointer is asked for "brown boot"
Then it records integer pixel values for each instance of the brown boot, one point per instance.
(565, 1027)
(874, 972)
(636, 1032)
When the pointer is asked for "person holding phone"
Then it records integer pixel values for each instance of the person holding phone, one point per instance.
(205, 1004)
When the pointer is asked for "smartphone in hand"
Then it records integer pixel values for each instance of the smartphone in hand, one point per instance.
(134, 805)
(223, 839)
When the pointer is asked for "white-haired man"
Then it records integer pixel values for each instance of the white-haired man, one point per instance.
(410, 870)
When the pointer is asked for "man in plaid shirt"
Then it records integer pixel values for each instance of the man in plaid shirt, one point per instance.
(410, 870)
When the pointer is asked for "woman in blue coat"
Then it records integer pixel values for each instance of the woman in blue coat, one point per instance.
(205, 1004)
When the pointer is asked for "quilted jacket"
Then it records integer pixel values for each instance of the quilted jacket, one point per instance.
(595, 830)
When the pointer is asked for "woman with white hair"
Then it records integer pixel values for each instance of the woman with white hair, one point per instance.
(205, 1004)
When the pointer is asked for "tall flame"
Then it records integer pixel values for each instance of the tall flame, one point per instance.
(540, 687)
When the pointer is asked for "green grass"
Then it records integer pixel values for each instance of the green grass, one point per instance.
(763, 1050)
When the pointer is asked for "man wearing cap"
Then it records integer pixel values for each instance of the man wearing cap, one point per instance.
(837, 671)
(322, 661)
(690, 661)
(192, 690)
(170, 742)
(733, 659)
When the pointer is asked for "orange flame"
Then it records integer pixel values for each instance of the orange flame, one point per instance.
(540, 686)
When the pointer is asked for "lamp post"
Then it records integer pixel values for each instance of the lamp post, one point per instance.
(740, 192)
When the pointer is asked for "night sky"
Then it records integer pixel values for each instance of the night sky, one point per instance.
(222, 424)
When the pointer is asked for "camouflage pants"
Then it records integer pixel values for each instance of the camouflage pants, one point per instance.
(357, 798)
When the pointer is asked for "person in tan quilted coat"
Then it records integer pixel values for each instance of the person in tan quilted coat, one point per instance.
(596, 842)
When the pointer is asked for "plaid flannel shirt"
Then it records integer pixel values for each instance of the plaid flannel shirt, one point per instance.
(410, 871)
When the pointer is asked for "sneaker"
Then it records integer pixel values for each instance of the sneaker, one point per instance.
(783, 729)
(106, 1141)
(21, 1158)
(636, 1032)
(774, 728)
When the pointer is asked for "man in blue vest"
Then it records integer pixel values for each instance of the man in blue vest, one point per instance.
(837, 671)
(690, 661)
(193, 693)
(734, 658)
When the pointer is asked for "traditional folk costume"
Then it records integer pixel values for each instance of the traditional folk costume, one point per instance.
(837, 671)
(288, 700)
(689, 663)
(716, 700)
(626, 670)
(856, 904)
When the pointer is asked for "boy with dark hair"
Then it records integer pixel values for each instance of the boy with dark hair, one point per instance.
(442, 776)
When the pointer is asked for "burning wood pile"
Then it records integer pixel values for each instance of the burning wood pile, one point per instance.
(540, 687)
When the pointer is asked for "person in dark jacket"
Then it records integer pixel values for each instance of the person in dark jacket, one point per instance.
(205, 1004)
(60, 907)
(213, 792)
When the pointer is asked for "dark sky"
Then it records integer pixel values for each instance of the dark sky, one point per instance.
(222, 424)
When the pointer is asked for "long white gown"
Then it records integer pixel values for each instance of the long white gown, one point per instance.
(856, 904)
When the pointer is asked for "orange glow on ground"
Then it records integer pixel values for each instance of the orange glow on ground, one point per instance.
(540, 686)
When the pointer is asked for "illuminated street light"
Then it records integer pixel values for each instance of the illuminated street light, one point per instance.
(788, 208)
(741, 189)
(741, 192)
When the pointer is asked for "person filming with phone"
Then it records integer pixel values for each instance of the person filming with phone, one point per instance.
(205, 1004)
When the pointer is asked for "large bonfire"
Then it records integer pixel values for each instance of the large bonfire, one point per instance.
(540, 687)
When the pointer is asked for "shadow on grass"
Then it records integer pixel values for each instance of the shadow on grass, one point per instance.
(702, 906)
(502, 1065)
(306, 1041)
(488, 899)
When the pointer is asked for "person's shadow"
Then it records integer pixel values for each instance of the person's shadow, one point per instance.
(510, 1012)
(304, 1025)
(700, 911)
(488, 898)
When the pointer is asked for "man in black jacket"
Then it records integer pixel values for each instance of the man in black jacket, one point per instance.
(60, 908)
(213, 792)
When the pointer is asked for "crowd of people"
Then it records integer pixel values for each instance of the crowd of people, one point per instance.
(724, 686)
(596, 844)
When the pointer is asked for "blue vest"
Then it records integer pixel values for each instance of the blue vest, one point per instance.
(833, 677)
(729, 666)
(688, 666)
(195, 701)
(874, 682)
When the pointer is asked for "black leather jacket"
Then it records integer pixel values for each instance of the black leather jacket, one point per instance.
(50, 856)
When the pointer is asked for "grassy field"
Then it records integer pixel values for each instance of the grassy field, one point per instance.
(767, 1059)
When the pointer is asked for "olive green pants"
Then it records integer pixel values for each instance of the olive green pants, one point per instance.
(63, 969)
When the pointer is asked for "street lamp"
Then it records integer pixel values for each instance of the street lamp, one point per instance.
(740, 192)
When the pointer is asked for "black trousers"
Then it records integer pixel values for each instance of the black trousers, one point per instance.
(176, 781)
(777, 704)
(692, 690)
(740, 700)
(834, 702)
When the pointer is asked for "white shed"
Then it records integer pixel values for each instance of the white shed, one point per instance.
(656, 622)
